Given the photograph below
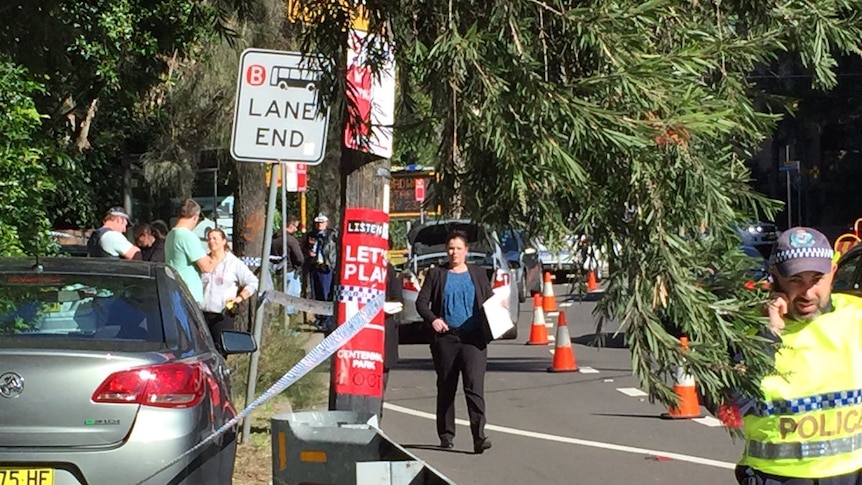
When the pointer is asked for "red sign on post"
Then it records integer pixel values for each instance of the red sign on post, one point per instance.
(297, 177)
(365, 240)
(420, 190)
(301, 177)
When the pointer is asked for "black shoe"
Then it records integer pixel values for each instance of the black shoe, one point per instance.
(446, 443)
(480, 446)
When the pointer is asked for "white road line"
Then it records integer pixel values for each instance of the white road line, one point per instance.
(553, 314)
(566, 304)
(632, 391)
(551, 338)
(549, 325)
(588, 370)
(551, 351)
(709, 421)
(574, 441)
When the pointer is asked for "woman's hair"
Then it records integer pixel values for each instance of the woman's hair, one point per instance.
(459, 235)
(141, 229)
(159, 229)
(223, 236)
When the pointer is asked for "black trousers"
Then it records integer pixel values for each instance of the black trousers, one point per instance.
(457, 355)
(218, 322)
(749, 476)
(383, 396)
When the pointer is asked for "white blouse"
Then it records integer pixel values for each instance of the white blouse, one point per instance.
(224, 282)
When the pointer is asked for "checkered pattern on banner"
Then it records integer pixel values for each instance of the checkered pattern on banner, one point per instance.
(356, 293)
(830, 400)
(795, 253)
(252, 262)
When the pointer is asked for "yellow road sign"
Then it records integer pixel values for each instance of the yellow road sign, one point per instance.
(297, 11)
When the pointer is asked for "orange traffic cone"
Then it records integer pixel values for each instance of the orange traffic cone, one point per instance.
(549, 301)
(686, 392)
(564, 355)
(592, 284)
(538, 331)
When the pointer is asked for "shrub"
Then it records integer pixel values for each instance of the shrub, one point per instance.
(281, 347)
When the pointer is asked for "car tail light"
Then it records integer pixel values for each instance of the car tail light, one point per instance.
(166, 386)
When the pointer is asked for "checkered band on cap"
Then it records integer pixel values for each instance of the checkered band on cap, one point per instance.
(779, 257)
(358, 294)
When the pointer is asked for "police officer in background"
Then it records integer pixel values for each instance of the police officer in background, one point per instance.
(109, 241)
(321, 246)
(806, 430)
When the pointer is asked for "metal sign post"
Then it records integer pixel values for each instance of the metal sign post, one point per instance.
(258, 314)
(276, 119)
(284, 251)
(787, 168)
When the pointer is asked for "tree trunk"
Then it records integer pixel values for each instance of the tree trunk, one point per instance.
(325, 180)
(249, 216)
(82, 138)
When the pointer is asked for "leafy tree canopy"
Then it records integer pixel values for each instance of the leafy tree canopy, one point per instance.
(24, 225)
(625, 120)
(102, 64)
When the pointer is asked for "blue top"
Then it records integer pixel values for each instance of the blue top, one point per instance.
(459, 300)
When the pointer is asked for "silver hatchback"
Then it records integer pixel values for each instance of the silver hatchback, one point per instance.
(107, 374)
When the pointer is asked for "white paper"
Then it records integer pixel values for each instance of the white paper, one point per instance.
(392, 307)
(497, 313)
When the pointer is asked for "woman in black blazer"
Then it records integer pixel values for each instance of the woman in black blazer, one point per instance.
(450, 302)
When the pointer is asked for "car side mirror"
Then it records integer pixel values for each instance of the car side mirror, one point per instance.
(235, 342)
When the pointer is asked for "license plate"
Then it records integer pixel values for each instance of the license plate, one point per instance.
(26, 476)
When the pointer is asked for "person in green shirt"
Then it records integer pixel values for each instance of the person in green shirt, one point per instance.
(184, 251)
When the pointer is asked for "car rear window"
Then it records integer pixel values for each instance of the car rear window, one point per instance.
(433, 237)
(79, 307)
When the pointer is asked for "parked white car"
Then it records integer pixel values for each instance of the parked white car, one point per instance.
(427, 249)
(566, 260)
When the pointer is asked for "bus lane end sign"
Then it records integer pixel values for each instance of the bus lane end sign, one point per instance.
(276, 117)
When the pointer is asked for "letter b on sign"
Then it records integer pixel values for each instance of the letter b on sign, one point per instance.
(255, 75)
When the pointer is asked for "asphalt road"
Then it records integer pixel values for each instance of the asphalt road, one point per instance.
(585, 427)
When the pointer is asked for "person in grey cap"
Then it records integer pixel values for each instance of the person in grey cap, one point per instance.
(109, 241)
(321, 245)
(805, 428)
(801, 267)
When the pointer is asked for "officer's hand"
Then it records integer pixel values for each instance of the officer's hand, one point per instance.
(778, 306)
(439, 326)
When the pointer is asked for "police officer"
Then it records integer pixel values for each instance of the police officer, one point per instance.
(807, 428)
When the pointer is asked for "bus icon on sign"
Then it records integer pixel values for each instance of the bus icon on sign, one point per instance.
(293, 77)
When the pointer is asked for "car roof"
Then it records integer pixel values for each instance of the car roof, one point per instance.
(854, 250)
(414, 230)
(82, 266)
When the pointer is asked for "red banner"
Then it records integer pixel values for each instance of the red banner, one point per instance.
(364, 242)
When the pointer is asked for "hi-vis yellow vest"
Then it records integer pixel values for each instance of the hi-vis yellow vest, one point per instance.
(809, 424)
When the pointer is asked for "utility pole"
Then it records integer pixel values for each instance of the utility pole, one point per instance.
(356, 380)
(365, 184)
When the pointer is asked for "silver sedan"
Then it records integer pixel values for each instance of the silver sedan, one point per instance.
(107, 374)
